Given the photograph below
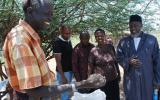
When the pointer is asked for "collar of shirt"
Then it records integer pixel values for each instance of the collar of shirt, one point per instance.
(136, 42)
(30, 30)
(84, 46)
(60, 36)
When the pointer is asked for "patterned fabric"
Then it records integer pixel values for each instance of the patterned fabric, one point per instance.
(80, 61)
(25, 60)
(104, 62)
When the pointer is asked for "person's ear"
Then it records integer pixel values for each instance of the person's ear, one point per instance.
(29, 10)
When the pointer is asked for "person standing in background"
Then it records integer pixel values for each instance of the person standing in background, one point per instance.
(102, 60)
(109, 44)
(80, 58)
(108, 40)
(138, 54)
(62, 49)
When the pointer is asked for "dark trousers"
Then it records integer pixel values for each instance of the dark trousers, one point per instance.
(111, 90)
(22, 96)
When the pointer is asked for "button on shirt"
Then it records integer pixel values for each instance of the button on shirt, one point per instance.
(25, 60)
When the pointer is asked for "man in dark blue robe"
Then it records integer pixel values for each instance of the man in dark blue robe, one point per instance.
(138, 54)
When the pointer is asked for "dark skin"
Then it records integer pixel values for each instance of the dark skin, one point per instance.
(39, 18)
(66, 33)
(84, 39)
(135, 29)
(93, 81)
(100, 37)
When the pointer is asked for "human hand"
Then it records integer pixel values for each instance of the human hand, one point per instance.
(134, 61)
(64, 80)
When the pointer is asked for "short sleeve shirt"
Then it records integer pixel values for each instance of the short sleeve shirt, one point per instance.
(103, 62)
(65, 48)
(25, 60)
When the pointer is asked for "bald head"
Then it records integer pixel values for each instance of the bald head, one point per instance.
(64, 29)
(38, 13)
(34, 3)
(84, 34)
(84, 38)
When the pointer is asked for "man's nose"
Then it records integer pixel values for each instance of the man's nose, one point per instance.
(133, 28)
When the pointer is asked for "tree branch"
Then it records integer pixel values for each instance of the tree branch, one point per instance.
(147, 6)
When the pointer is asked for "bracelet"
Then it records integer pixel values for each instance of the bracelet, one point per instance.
(73, 87)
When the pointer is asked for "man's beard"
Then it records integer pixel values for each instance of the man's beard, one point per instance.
(135, 34)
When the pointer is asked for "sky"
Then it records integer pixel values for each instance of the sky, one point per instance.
(149, 10)
(151, 14)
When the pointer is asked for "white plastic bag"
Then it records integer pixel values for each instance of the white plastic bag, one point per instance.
(96, 95)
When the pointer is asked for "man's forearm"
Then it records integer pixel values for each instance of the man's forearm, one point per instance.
(59, 65)
(72, 87)
(95, 80)
(69, 87)
(48, 91)
(77, 76)
(44, 91)
(64, 87)
(59, 68)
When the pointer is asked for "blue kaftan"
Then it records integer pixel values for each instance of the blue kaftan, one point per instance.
(138, 82)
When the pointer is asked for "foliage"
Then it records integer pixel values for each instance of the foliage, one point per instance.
(90, 14)
(111, 15)
(8, 17)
